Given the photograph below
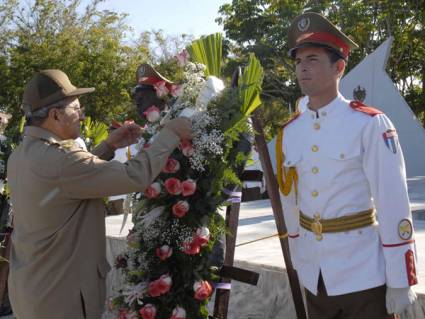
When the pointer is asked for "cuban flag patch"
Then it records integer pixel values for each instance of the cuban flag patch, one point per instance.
(390, 139)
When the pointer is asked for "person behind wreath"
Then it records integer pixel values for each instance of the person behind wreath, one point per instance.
(144, 96)
(58, 264)
(340, 171)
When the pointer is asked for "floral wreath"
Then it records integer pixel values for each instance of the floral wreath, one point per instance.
(169, 269)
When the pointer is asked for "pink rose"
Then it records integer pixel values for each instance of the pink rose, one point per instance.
(160, 286)
(161, 88)
(132, 315)
(164, 252)
(191, 248)
(202, 290)
(122, 314)
(176, 90)
(178, 313)
(182, 57)
(152, 114)
(171, 166)
(180, 208)
(148, 311)
(186, 148)
(153, 190)
(202, 236)
(173, 186)
(188, 187)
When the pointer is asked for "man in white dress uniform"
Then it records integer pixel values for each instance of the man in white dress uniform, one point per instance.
(343, 186)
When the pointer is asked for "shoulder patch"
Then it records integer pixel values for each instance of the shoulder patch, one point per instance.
(360, 107)
(68, 145)
(293, 118)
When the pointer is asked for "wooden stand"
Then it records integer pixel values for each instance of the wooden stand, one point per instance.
(273, 192)
(4, 267)
(232, 220)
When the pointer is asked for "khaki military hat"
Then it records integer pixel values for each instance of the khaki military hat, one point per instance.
(311, 29)
(48, 87)
(147, 75)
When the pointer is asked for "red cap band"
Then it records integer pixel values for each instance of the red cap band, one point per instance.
(150, 80)
(325, 37)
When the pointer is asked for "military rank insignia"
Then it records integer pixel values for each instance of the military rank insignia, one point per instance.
(390, 139)
(405, 229)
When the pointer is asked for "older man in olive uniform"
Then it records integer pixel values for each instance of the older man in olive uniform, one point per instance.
(58, 264)
(341, 170)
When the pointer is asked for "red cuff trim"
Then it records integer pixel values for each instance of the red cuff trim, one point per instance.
(294, 236)
(399, 244)
(411, 268)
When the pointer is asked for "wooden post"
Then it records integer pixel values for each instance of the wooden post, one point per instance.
(273, 192)
(222, 296)
(4, 266)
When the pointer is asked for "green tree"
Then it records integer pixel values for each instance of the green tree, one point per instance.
(88, 46)
(261, 26)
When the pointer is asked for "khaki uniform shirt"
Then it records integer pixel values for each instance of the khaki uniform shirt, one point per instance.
(58, 264)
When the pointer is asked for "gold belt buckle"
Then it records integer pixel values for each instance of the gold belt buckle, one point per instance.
(317, 228)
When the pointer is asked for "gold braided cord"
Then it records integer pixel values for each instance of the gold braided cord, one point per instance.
(128, 153)
(341, 224)
(291, 176)
(281, 236)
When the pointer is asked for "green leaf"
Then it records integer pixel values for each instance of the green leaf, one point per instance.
(208, 51)
(96, 131)
(250, 86)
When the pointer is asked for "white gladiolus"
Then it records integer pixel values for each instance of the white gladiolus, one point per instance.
(211, 89)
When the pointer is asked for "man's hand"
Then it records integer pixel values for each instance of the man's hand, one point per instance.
(123, 136)
(182, 127)
(398, 299)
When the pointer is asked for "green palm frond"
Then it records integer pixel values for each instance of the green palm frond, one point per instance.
(96, 131)
(208, 51)
(250, 86)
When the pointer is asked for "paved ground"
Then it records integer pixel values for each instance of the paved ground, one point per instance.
(257, 221)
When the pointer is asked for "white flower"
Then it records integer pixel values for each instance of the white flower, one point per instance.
(211, 89)
(135, 292)
(1, 186)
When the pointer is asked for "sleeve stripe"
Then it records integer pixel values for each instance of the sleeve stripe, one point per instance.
(399, 244)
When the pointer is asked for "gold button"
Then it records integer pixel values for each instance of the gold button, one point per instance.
(342, 156)
(315, 170)
(316, 126)
(314, 148)
(314, 193)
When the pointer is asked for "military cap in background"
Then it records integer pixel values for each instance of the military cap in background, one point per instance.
(147, 75)
(48, 87)
(311, 29)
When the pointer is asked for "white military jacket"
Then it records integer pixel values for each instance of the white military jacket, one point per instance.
(348, 160)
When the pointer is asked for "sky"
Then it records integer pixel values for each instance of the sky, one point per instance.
(174, 17)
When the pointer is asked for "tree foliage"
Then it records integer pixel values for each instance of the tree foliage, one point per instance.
(90, 45)
(261, 26)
